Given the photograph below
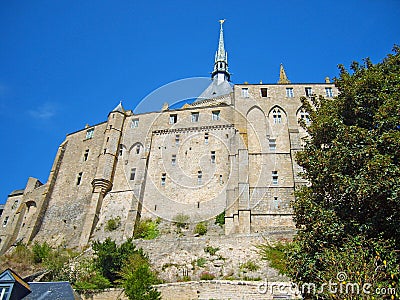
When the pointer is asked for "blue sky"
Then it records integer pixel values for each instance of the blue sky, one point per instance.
(64, 64)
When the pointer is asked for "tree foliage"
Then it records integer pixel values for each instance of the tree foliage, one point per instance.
(138, 278)
(110, 258)
(351, 160)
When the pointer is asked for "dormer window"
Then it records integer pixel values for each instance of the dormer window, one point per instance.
(89, 133)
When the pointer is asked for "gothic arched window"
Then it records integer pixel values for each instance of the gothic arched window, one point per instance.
(304, 116)
(277, 115)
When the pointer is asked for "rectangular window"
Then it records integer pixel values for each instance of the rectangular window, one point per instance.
(272, 144)
(79, 179)
(177, 139)
(163, 178)
(245, 92)
(86, 155)
(173, 159)
(133, 174)
(213, 157)
(308, 91)
(173, 119)
(195, 117)
(89, 133)
(5, 221)
(264, 92)
(120, 149)
(4, 291)
(135, 123)
(206, 138)
(274, 177)
(289, 92)
(329, 92)
(215, 115)
(199, 177)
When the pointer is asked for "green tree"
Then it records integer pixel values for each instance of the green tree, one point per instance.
(137, 279)
(351, 160)
(109, 257)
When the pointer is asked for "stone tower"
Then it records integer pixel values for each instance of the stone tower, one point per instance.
(103, 181)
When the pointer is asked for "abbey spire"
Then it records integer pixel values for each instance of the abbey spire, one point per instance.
(221, 59)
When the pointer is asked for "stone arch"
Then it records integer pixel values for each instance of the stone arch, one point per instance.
(256, 129)
(277, 115)
(134, 146)
(302, 114)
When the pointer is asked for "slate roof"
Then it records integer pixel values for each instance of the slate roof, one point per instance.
(61, 290)
(215, 90)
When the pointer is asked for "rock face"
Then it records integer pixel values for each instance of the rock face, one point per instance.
(185, 257)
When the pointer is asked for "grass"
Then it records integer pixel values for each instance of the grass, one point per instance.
(211, 250)
(276, 255)
(250, 266)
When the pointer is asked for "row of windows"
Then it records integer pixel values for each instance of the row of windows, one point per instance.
(199, 178)
(289, 92)
(173, 118)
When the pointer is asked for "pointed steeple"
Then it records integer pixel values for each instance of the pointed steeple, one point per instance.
(221, 59)
(282, 76)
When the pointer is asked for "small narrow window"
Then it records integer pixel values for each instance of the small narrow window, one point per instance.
(264, 92)
(274, 177)
(108, 138)
(198, 204)
(276, 203)
(206, 138)
(105, 150)
(133, 174)
(213, 157)
(135, 123)
(89, 133)
(163, 177)
(120, 150)
(5, 221)
(199, 177)
(15, 204)
(277, 116)
(86, 155)
(155, 207)
(173, 159)
(110, 126)
(195, 117)
(177, 139)
(137, 149)
(289, 92)
(308, 91)
(221, 181)
(272, 144)
(216, 115)
(173, 119)
(79, 179)
(245, 92)
(329, 92)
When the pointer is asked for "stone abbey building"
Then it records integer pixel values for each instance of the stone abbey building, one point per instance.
(230, 150)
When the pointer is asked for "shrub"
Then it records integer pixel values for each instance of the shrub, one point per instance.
(211, 250)
(137, 279)
(276, 255)
(41, 252)
(201, 228)
(146, 229)
(250, 266)
(200, 262)
(206, 276)
(110, 258)
(220, 219)
(181, 220)
(113, 224)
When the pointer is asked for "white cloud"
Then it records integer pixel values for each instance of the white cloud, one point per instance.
(43, 112)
